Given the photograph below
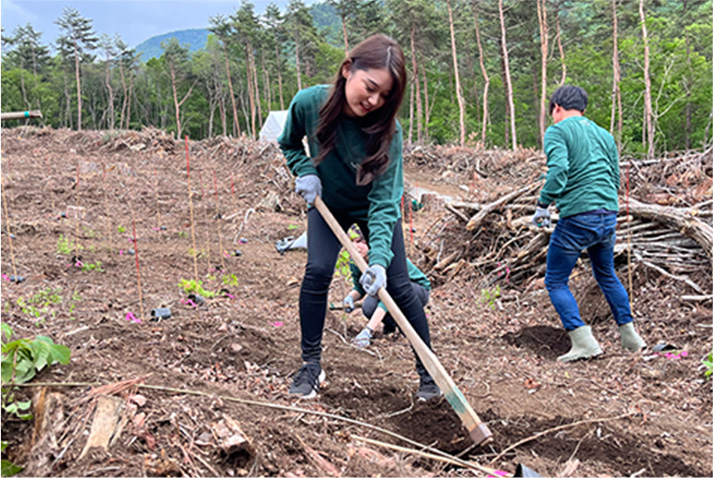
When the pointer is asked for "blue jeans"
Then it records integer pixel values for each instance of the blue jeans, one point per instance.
(596, 234)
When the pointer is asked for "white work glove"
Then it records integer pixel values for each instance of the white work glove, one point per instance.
(542, 216)
(309, 187)
(348, 304)
(373, 279)
(364, 338)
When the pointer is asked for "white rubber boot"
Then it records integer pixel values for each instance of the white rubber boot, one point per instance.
(584, 345)
(630, 339)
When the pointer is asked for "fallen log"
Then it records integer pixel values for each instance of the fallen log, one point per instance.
(476, 220)
(21, 115)
(681, 219)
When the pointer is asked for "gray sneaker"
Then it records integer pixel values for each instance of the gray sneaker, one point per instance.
(428, 389)
(306, 383)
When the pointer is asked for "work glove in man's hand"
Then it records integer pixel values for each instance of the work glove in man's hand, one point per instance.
(373, 279)
(348, 304)
(542, 216)
(309, 187)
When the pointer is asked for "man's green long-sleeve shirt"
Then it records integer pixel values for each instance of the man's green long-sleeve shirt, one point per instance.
(583, 164)
(377, 203)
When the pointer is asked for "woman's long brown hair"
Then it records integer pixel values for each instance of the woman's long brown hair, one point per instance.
(377, 51)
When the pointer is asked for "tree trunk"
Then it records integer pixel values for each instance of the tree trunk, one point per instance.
(616, 91)
(279, 75)
(236, 121)
(427, 108)
(542, 19)
(251, 93)
(111, 97)
(417, 84)
(257, 89)
(128, 104)
(266, 82)
(559, 46)
(410, 113)
(648, 113)
(506, 128)
(176, 106)
(223, 118)
(459, 93)
(79, 88)
(297, 62)
(344, 32)
(508, 82)
(126, 96)
(484, 72)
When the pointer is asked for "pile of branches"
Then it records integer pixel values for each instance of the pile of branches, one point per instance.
(665, 224)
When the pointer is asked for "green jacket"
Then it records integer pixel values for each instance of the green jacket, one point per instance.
(414, 274)
(377, 204)
(583, 164)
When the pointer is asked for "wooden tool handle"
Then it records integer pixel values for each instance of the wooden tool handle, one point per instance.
(478, 431)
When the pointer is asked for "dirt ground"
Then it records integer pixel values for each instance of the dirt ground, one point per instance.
(74, 199)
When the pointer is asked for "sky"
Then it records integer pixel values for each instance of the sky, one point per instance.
(134, 20)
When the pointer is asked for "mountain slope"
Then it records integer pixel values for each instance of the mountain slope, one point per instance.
(195, 38)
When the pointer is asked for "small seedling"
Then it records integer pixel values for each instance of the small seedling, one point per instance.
(66, 246)
(488, 297)
(292, 227)
(39, 305)
(121, 229)
(93, 267)
(342, 267)
(182, 234)
(230, 280)
(191, 285)
(708, 364)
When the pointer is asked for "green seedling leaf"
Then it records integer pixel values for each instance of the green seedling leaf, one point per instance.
(6, 330)
(292, 227)
(8, 468)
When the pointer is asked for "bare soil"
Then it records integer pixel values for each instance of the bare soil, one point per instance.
(233, 356)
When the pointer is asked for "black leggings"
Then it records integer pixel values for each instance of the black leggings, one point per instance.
(322, 251)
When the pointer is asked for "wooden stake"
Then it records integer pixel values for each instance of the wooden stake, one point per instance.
(158, 210)
(107, 221)
(217, 219)
(138, 271)
(190, 205)
(207, 218)
(7, 228)
(76, 205)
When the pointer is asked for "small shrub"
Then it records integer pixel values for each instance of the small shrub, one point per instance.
(191, 285)
(708, 365)
(488, 297)
(66, 246)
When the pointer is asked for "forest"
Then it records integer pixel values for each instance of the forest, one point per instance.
(480, 71)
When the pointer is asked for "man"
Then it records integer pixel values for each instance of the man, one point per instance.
(583, 180)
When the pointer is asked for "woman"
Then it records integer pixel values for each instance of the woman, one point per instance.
(357, 168)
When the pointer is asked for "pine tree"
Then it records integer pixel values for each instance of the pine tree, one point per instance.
(77, 40)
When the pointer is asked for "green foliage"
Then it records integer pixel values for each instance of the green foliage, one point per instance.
(66, 246)
(708, 364)
(191, 285)
(21, 360)
(40, 305)
(488, 297)
(93, 267)
(182, 234)
(680, 43)
(342, 266)
(121, 229)
(230, 280)
(7, 468)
